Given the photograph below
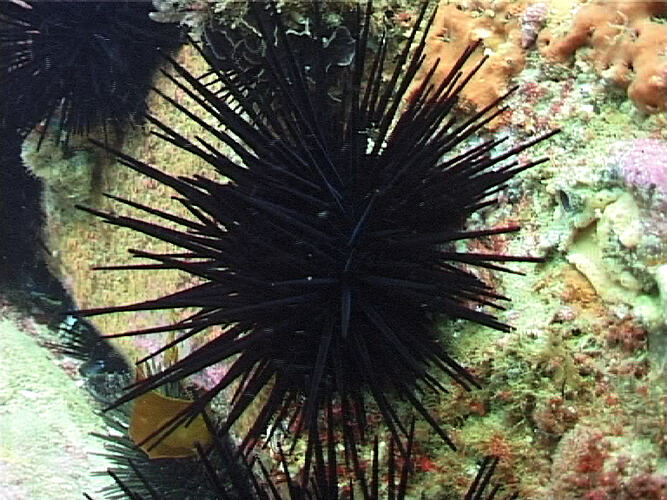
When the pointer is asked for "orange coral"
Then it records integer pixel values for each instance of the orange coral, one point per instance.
(458, 24)
(628, 47)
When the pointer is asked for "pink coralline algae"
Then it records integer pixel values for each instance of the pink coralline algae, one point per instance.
(532, 21)
(642, 164)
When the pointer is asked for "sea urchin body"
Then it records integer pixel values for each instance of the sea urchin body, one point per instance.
(89, 62)
(328, 253)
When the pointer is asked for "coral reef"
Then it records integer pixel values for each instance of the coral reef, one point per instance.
(627, 47)
(586, 360)
(46, 419)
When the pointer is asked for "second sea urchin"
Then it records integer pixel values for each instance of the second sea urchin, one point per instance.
(78, 65)
(326, 248)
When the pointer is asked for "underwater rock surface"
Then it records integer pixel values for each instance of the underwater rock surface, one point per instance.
(574, 399)
(45, 420)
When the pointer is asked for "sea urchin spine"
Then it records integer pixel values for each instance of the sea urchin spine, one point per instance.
(78, 64)
(327, 256)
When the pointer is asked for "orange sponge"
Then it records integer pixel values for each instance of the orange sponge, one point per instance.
(461, 22)
(628, 48)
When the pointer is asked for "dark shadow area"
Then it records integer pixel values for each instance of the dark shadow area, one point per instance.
(25, 279)
(22, 265)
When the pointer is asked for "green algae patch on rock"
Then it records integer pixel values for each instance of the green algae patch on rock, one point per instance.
(45, 424)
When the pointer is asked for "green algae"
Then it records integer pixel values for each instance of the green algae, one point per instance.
(45, 423)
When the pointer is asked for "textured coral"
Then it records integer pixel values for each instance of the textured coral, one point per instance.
(497, 24)
(628, 48)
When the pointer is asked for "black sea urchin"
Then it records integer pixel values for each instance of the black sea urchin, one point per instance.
(81, 64)
(328, 255)
(479, 488)
(136, 476)
(223, 474)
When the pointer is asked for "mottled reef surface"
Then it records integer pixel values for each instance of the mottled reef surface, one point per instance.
(574, 399)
